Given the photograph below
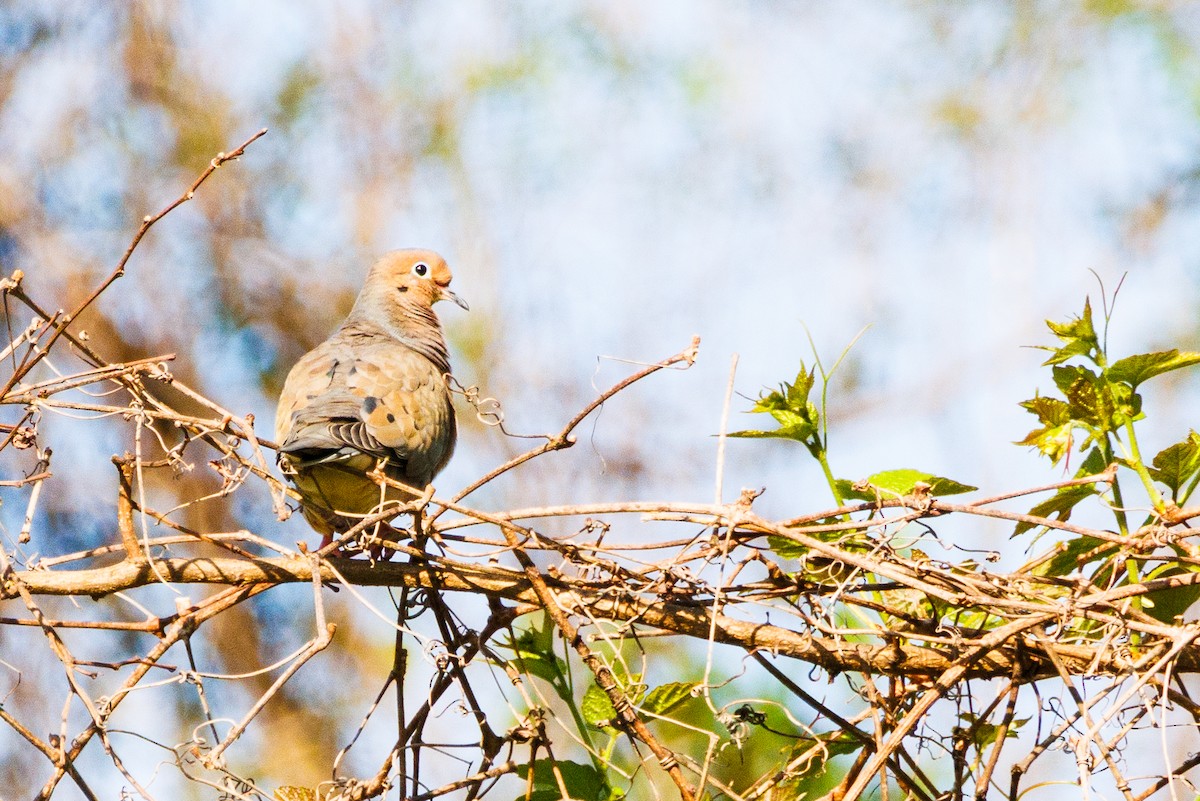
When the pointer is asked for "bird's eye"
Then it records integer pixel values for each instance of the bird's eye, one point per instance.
(421, 269)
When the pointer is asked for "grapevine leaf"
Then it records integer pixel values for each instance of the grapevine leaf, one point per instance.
(1177, 464)
(1133, 370)
(1168, 604)
(665, 697)
(898, 483)
(582, 781)
(1078, 335)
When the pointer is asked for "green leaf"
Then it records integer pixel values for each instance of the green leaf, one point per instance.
(1049, 411)
(1078, 347)
(1102, 405)
(533, 648)
(800, 432)
(1067, 560)
(837, 744)
(1055, 436)
(1076, 328)
(1082, 389)
(1177, 464)
(986, 733)
(665, 697)
(1054, 441)
(898, 483)
(797, 392)
(972, 618)
(798, 419)
(786, 548)
(789, 397)
(536, 639)
(1078, 335)
(1168, 604)
(582, 781)
(1133, 370)
(597, 708)
(846, 489)
(790, 549)
(910, 602)
(1093, 464)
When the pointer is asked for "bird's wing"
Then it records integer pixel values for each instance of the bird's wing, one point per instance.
(405, 407)
(367, 394)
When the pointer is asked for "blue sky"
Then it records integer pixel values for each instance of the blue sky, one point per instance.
(616, 178)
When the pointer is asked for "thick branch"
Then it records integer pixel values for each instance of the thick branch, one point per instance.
(1028, 660)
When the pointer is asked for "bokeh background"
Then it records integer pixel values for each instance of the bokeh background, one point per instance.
(607, 179)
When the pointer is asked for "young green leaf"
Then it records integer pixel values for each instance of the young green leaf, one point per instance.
(1100, 405)
(849, 490)
(1177, 464)
(986, 733)
(1168, 604)
(1055, 436)
(1049, 411)
(665, 697)
(533, 650)
(1069, 556)
(785, 548)
(910, 603)
(898, 483)
(834, 743)
(1084, 392)
(798, 418)
(583, 782)
(597, 708)
(1078, 347)
(1133, 370)
(1078, 335)
(799, 432)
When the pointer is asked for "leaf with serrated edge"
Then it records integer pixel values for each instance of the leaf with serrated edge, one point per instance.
(665, 697)
(1177, 464)
(1049, 411)
(904, 482)
(1053, 441)
(534, 653)
(1079, 347)
(786, 548)
(1066, 561)
(582, 781)
(1167, 604)
(798, 419)
(597, 707)
(799, 432)
(1133, 370)
(834, 744)
(1078, 328)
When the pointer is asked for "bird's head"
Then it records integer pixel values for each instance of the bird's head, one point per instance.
(408, 281)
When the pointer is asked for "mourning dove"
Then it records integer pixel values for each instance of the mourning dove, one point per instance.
(374, 393)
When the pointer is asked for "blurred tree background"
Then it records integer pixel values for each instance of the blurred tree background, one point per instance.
(606, 179)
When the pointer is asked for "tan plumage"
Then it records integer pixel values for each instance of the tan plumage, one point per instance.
(375, 391)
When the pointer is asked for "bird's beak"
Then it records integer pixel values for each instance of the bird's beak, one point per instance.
(446, 294)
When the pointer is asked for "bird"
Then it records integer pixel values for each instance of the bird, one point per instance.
(374, 394)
